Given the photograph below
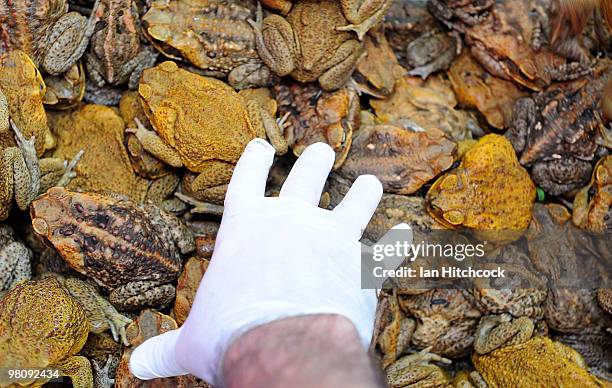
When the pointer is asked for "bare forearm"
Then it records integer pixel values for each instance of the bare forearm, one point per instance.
(311, 351)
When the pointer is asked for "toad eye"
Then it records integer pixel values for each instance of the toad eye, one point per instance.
(435, 302)
(78, 207)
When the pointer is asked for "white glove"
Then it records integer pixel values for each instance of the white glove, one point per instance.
(274, 258)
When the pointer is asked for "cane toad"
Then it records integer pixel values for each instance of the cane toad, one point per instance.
(201, 123)
(420, 105)
(489, 191)
(42, 326)
(313, 115)
(15, 259)
(593, 203)
(557, 132)
(494, 97)
(403, 160)
(116, 54)
(24, 89)
(314, 41)
(213, 35)
(572, 264)
(132, 251)
(54, 38)
(509, 356)
(507, 39)
(446, 320)
(105, 167)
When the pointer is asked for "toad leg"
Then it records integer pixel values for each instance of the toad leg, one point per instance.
(156, 145)
(68, 40)
(341, 65)
(56, 172)
(138, 294)
(14, 265)
(213, 173)
(78, 369)
(495, 331)
(416, 368)
(102, 377)
(162, 188)
(275, 43)
(363, 14)
(264, 124)
(26, 171)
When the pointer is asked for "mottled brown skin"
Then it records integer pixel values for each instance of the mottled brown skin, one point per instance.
(213, 35)
(524, 289)
(24, 89)
(402, 160)
(187, 286)
(446, 320)
(420, 104)
(53, 37)
(132, 251)
(200, 123)
(15, 259)
(556, 132)
(392, 329)
(105, 167)
(509, 356)
(308, 45)
(593, 203)
(318, 116)
(507, 38)
(475, 87)
(557, 250)
(489, 192)
(115, 53)
(42, 326)
(604, 296)
(431, 52)
(418, 371)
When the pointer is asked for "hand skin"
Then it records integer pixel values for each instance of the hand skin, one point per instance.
(322, 351)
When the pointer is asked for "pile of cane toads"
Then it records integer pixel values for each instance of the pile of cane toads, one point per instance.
(121, 122)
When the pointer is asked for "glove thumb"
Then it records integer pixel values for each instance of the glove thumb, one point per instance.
(156, 357)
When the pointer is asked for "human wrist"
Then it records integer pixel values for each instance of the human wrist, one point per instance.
(322, 350)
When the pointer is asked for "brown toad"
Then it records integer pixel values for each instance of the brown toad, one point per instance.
(571, 263)
(105, 168)
(419, 105)
(42, 326)
(53, 37)
(403, 160)
(24, 89)
(494, 97)
(446, 320)
(508, 355)
(213, 35)
(132, 251)
(506, 38)
(489, 192)
(313, 115)
(557, 132)
(116, 54)
(22, 175)
(314, 43)
(593, 203)
(200, 123)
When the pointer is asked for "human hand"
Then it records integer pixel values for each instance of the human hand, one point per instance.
(274, 257)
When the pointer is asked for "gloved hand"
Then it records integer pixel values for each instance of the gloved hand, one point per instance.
(274, 258)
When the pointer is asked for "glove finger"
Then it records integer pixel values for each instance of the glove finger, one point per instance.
(309, 173)
(359, 204)
(251, 171)
(156, 357)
